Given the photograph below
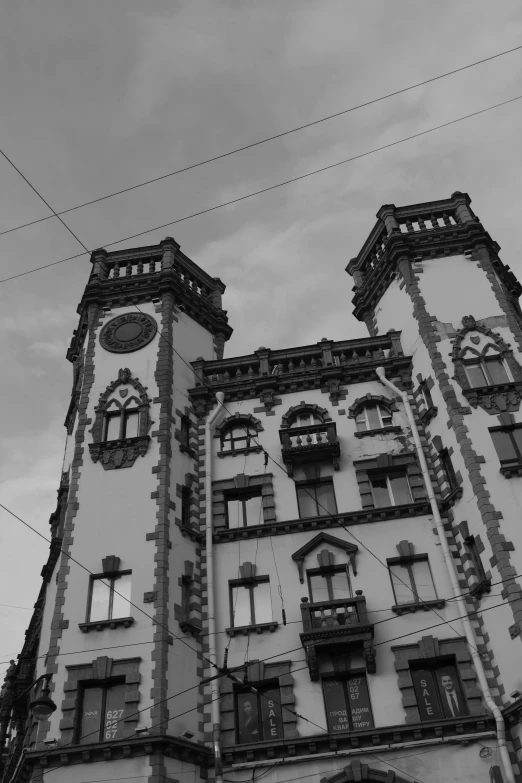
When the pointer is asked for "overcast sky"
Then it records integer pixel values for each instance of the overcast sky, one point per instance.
(99, 96)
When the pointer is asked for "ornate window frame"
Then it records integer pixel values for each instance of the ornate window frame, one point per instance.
(121, 453)
(385, 463)
(494, 398)
(373, 399)
(264, 481)
(408, 556)
(238, 419)
(303, 407)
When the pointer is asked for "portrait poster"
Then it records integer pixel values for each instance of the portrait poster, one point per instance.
(247, 717)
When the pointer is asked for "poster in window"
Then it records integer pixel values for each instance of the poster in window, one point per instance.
(359, 703)
(335, 701)
(426, 693)
(271, 714)
(247, 717)
(90, 718)
(114, 709)
(453, 703)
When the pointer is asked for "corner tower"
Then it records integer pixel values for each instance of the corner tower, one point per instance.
(433, 272)
(120, 619)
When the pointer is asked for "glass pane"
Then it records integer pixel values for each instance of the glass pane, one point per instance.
(325, 500)
(120, 603)
(226, 443)
(427, 396)
(90, 716)
(335, 702)
(426, 694)
(496, 371)
(100, 597)
(374, 422)
(254, 510)
(453, 703)
(271, 719)
(448, 469)
(381, 496)
(516, 433)
(423, 580)
(386, 417)
(262, 602)
(241, 614)
(401, 584)
(318, 588)
(131, 423)
(340, 585)
(306, 502)
(400, 489)
(476, 375)
(114, 708)
(504, 445)
(113, 427)
(234, 513)
(247, 718)
(359, 703)
(360, 421)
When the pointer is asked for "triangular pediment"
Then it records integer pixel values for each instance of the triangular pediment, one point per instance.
(316, 542)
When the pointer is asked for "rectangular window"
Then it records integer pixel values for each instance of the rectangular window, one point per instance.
(258, 715)
(244, 508)
(471, 547)
(186, 500)
(347, 703)
(110, 597)
(496, 370)
(426, 394)
(250, 603)
(438, 692)
(485, 372)
(412, 581)
(112, 426)
(315, 494)
(184, 433)
(101, 714)
(329, 585)
(391, 489)
(508, 444)
(447, 467)
(132, 418)
(373, 417)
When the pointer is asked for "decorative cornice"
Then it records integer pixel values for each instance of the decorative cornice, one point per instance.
(123, 453)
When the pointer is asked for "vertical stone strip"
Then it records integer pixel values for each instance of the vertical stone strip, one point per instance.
(482, 256)
(58, 621)
(490, 516)
(164, 376)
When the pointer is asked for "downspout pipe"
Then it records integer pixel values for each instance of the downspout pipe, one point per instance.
(450, 565)
(210, 423)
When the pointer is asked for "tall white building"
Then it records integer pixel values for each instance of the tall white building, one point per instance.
(310, 576)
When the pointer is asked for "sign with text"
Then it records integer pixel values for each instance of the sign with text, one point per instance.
(348, 704)
(438, 693)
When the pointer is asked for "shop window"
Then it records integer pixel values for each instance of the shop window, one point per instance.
(101, 713)
(109, 597)
(259, 715)
(244, 507)
(250, 602)
(373, 417)
(438, 691)
(390, 489)
(347, 703)
(315, 491)
(412, 581)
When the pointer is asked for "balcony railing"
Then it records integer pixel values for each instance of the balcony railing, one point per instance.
(327, 624)
(342, 614)
(311, 442)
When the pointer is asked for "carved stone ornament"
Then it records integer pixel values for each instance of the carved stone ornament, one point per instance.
(119, 453)
(267, 398)
(128, 332)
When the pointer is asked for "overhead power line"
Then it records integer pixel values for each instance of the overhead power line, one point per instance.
(271, 187)
(263, 141)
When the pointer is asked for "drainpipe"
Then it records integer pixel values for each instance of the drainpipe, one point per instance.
(216, 729)
(450, 565)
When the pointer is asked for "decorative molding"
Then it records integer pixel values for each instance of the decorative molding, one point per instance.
(497, 398)
(373, 399)
(245, 630)
(100, 625)
(303, 407)
(139, 329)
(324, 538)
(115, 454)
(237, 418)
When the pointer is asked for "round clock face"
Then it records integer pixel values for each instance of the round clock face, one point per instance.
(128, 332)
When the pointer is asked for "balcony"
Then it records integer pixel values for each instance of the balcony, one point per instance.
(309, 444)
(327, 624)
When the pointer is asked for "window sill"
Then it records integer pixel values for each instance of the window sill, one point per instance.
(379, 431)
(187, 450)
(479, 588)
(188, 627)
(235, 452)
(244, 630)
(101, 624)
(512, 470)
(416, 606)
(428, 414)
(455, 494)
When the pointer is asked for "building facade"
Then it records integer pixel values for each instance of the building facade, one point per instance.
(319, 581)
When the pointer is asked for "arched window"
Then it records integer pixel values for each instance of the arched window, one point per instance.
(373, 416)
(238, 435)
(306, 419)
(121, 421)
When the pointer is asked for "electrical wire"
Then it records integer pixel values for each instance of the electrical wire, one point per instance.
(253, 144)
(272, 187)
